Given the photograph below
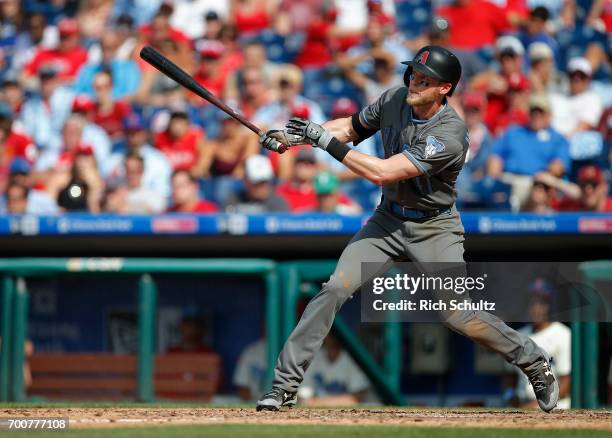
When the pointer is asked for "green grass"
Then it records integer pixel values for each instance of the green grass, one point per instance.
(301, 431)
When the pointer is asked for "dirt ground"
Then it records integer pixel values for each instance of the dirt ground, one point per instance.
(126, 416)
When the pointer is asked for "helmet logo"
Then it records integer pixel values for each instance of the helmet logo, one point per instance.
(422, 58)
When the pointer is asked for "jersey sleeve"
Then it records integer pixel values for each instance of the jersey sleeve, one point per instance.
(371, 116)
(434, 153)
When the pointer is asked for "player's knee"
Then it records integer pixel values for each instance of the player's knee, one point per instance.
(338, 288)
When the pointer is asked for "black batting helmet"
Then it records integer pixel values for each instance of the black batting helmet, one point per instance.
(437, 62)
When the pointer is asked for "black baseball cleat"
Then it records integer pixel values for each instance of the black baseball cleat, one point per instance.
(275, 399)
(545, 386)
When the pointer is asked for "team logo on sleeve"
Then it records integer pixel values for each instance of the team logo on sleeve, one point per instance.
(433, 146)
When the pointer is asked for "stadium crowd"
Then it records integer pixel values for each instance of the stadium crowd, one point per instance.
(86, 125)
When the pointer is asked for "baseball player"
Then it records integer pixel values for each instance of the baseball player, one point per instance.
(425, 144)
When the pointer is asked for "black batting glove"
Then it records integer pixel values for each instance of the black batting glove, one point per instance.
(313, 133)
(270, 143)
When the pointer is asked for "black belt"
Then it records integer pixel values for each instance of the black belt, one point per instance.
(412, 213)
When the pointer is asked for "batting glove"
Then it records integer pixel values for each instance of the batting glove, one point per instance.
(313, 133)
(272, 144)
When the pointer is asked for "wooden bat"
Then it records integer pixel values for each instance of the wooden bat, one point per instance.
(179, 75)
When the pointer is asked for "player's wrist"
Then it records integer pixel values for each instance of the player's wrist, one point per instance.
(324, 140)
(337, 149)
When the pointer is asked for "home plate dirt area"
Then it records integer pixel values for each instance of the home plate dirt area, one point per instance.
(102, 417)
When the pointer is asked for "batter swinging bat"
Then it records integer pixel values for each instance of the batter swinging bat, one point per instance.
(176, 73)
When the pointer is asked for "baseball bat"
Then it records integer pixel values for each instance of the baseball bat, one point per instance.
(179, 75)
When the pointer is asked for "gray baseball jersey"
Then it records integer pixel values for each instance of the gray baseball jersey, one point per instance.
(436, 146)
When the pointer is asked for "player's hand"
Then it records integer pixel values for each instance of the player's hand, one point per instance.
(313, 133)
(271, 143)
(285, 138)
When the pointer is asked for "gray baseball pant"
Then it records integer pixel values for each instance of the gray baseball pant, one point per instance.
(383, 240)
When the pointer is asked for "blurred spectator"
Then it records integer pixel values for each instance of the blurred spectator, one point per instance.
(52, 10)
(251, 16)
(81, 131)
(481, 142)
(517, 110)
(139, 198)
(254, 91)
(191, 331)
(583, 107)
(541, 196)
(258, 195)
(13, 142)
(543, 76)
(142, 11)
(157, 168)
(319, 46)
(12, 93)
(93, 17)
(43, 115)
(39, 200)
(36, 33)
(16, 198)
(250, 372)
(509, 54)
(329, 198)
(277, 112)
(185, 195)
(299, 191)
(591, 194)
(438, 34)
(108, 113)
(521, 152)
(535, 31)
(296, 15)
(384, 73)
(66, 59)
(182, 143)
(555, 338)
(333, 378)
(85, 189)
(600, 16)
(192, 15)
(602, 86)
(253, 58)
(225, 155)
(125, 74)
(474, 24)
(209, 72)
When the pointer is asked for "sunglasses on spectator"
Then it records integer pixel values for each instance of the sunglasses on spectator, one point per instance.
(591, 184)
(578, 75)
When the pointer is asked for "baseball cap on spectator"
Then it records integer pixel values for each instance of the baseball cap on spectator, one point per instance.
(258, 169)
(133, 122)
(211, 16)
(325, 183)
(509, 45)
(518, 82)
(580, 64)
(438, 26)
(211, 49)
(541, 288)
(47, 72)
(67, 27)
(473, 100)
(10, 79)
(590, 174)
(84, 149)
(19, 166)
(343, 107)
(540, 13)
(300, 110)
(83, 104)
(307, 155)
(539, 101)
(539, 51)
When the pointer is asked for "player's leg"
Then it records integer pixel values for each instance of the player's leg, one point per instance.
(377, 242)
(441, 240)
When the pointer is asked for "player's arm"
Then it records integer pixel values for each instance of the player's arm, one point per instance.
(380, 171)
